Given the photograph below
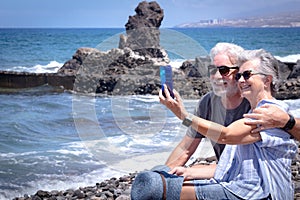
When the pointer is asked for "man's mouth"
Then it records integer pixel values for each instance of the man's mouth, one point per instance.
(220, 83)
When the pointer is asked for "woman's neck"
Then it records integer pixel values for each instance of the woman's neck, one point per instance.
(256, 99)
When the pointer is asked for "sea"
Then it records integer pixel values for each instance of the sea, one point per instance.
(55, 140)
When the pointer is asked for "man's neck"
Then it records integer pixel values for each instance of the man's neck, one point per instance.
(232, 102)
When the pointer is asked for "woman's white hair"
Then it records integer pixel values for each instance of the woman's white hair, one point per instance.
(268, 64)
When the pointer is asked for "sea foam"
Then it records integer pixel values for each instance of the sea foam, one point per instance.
(290, 58)
(51, 67)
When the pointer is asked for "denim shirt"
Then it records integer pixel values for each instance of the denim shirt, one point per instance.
(253, 171)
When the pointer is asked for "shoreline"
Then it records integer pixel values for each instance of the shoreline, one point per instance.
(119, 188)
(113, 188)
(14, 81)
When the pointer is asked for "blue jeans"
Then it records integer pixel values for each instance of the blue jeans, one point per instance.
(206, 190)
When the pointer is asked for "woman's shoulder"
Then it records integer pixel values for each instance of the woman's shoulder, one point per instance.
(281, 104)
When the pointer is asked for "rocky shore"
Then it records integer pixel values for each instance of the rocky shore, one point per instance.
(114, 188)
(119, 188)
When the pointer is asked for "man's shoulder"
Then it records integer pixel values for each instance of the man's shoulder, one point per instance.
(208, 97)
(204, 105)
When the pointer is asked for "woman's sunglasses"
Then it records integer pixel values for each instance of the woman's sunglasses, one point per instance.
(223, 70)
(246, 74)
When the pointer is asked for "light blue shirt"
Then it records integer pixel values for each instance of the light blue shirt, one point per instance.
(254, 171)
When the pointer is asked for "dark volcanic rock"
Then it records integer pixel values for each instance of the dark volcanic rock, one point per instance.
(147, 15)
(197, 67)
(72, 66)
(118, 72)
(130, 69)
(142, 30)
(295, 70)
(113, 188)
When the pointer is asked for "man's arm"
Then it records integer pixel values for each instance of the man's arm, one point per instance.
(196, 172)
(271, 116)
(295, 131)
(183, 151)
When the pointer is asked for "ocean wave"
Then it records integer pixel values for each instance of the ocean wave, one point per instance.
(70, 152)
(290, 58)
(176, 63)
(51, 67)
(141, 98)
(13, 155)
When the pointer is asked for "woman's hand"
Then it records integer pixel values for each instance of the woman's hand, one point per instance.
(175, 105)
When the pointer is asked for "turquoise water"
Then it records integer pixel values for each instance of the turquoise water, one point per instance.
(57, 140)
(42, 50)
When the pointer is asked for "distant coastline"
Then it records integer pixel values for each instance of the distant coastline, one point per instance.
(283, 20)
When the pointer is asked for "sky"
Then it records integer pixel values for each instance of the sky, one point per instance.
(115, 13)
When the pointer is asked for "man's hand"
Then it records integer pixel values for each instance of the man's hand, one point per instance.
(267, 116)
(179, 171)
(195, 172)
(175, 105)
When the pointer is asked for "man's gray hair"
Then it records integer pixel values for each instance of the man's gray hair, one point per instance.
(268, 64)
(231, 50)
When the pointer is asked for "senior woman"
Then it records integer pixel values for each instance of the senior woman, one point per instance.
(251, 166)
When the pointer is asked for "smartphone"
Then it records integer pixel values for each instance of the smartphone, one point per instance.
(166, 78)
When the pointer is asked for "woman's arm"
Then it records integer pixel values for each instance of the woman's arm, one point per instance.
(236, 133)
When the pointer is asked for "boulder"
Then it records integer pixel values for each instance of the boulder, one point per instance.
(284, 70)
(197, 67)
(72, 66)
(295, 70)
(117, 72)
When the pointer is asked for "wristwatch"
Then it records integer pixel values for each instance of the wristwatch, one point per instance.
(188, 120)
(290, 124)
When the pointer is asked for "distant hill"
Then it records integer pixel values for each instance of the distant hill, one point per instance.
(283, 19)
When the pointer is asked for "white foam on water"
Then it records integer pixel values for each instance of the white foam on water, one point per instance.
(51, 67)
(290, 58)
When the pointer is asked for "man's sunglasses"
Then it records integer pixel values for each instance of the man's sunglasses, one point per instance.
(246, 74)
(223, 70)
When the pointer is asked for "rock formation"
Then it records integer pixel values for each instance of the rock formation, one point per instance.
(130, 69)
(142, 30)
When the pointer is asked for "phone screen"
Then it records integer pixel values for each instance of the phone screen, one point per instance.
(166, 78)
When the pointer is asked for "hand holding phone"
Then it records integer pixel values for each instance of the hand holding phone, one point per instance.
(166, 78)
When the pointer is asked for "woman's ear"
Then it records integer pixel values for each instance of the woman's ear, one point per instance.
(268, 80)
